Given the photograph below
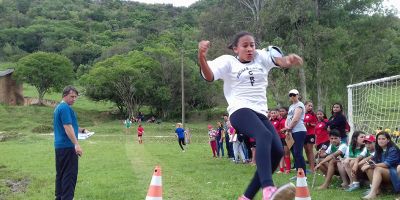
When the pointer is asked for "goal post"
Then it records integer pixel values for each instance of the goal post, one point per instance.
(373, 104)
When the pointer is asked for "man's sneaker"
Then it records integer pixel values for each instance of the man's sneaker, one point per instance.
(353, 186)
(285, 192)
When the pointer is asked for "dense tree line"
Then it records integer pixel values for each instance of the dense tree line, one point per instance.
(131, 53)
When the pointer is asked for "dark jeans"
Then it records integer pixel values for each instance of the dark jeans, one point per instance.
(220, 146)
(298, 146)
(229, 146)
(66, 173)
(268, 146)
(181, 142)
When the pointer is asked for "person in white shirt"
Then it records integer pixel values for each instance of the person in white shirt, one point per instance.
(245, 79)
(294, 125)
(332, 155)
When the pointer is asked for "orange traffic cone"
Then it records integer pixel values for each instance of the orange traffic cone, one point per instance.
(302, 192)
(155, 189)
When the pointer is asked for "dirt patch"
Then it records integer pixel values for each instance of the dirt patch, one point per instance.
(4, 136)
(18, 186)
(42, 129)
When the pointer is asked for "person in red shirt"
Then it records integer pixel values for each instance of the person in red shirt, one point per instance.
(310, 121)
(140, 131)
(282, 120)
(321, 134)
(275, 121)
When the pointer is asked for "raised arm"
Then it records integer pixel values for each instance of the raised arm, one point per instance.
(204, 45)
(289, 61)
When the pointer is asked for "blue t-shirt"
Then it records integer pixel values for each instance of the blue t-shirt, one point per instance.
(180, 132)
(63, 115)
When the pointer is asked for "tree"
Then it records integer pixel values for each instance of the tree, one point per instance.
(45, 71)
(123, 79)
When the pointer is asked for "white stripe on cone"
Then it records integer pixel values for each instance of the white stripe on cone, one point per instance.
(300, 198)
(153, 198)
(301, 182)
(156, 181)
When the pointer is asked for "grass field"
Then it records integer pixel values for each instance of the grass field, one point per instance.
(115, 166)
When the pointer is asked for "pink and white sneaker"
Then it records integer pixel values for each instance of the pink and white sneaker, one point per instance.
(285, 192)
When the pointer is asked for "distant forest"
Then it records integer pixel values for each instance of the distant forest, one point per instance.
(131, 53)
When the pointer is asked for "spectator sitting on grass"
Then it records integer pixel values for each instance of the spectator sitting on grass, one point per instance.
(355, 152)
(151, 120)
(328, 165)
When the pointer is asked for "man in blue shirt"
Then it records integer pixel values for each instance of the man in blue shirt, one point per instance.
(66, 145)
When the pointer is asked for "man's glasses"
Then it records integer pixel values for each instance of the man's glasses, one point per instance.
(292, 95)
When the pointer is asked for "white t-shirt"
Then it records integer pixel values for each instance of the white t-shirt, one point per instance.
(245, 84)
(342, 148)
(300, 124)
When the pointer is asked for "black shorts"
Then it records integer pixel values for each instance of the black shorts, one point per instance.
(310, 139)
(327, 143)
(283, 142)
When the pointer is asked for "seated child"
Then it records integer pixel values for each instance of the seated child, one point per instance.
(330, 156)
(363, 159)
(355, 152)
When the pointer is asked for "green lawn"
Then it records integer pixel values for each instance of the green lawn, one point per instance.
(115, 166)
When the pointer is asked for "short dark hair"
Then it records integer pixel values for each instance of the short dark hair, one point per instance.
(335, 133)
(68, 89)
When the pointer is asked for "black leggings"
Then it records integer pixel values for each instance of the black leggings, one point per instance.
(181, 142)
(268, 146)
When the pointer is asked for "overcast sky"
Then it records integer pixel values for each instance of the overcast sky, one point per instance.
(395, 3)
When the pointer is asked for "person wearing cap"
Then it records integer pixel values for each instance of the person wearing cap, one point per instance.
(369, 141)
(295, 126)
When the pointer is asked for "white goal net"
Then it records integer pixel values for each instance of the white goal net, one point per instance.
(374, 104)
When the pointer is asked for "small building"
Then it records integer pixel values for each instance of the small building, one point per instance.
(10, 90)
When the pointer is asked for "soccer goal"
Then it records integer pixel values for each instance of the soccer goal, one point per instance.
(374, 104)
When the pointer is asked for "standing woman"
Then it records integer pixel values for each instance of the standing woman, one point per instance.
(295, 126)
(245, 79)
(338, 121)
(310, 121)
